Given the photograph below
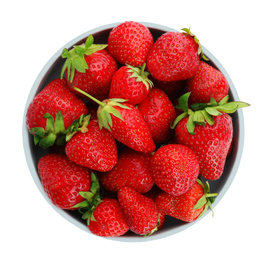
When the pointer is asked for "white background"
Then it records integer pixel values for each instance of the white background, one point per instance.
(32, 31)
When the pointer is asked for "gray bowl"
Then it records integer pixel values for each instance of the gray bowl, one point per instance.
(33, 153)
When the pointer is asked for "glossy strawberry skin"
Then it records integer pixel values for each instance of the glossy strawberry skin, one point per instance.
(181, 207)
(129, 43)
(62, 180)
(210, 143)
(159, 113)
(206, 83)
(174, 56)
(109, 219)
(54, 97)
(174, 168)
(140, 211)
(95, 149)
(127, 87)
(132, 169)
(132, 131)
(97, 78)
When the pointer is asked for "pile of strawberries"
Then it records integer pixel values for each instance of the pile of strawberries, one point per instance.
(133, 127)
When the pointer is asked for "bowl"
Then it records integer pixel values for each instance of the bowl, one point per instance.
(52, 70)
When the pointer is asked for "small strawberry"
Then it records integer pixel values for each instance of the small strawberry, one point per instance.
(89, 67)
(208, 130)
(94, 148)
(109, 219)
(130, 42)
(132, 169)
(130, 83)
(174, 56)
(62, 180)
(141, 212)
(125, 123)
(206, 83)
(52, 111)
(159, 113)
(189, 206)
(174, 168)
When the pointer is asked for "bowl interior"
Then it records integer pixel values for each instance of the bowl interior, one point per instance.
(33, 153)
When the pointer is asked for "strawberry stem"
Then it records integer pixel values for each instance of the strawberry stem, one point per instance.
(89, 96)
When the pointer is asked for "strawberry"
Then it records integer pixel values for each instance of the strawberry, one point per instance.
(89, 67)
(141, 212)
(159, 113)
(189, 206)
(109, 219)
(62, 180)
(94, 148)
(174, 168)
(130, 83)
(132, 169)
(206, 83)
(174, 56)
(52, 110)
(130, 42)
(125, 123)
(208, 130)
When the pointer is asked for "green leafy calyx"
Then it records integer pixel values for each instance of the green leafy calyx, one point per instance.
(141, 75)
(206, 200)
(55, 132)
(92, 200)
(75, 58)
(200, 51)
(203, 113)
(106, 109)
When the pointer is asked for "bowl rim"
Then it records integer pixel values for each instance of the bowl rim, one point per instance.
(34, 174)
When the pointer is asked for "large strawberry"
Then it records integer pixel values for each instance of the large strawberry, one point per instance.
(125, 122)
(108, 219)
(132, 169)
(141, 212)
(89, 67)
(130, 42)
(130, 83)
(62, 180)
(52, 111)
(174, 168)
(206, 83)
(174, 56)
(208, 130)
(159, 113)
(188, 206)
(94, 148)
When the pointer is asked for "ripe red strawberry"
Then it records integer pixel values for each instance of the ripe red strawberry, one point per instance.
(174, 168)
(132, 169)
(131, 84)
(141, 212)
(89, 67)
(159, 113)
(109, 219)
(174, 56)
(62, 180)
(52, 111)
(207, 83)
(188, 206)
(130, 42)
(95, 149)
(208, 130)
(125, 123)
